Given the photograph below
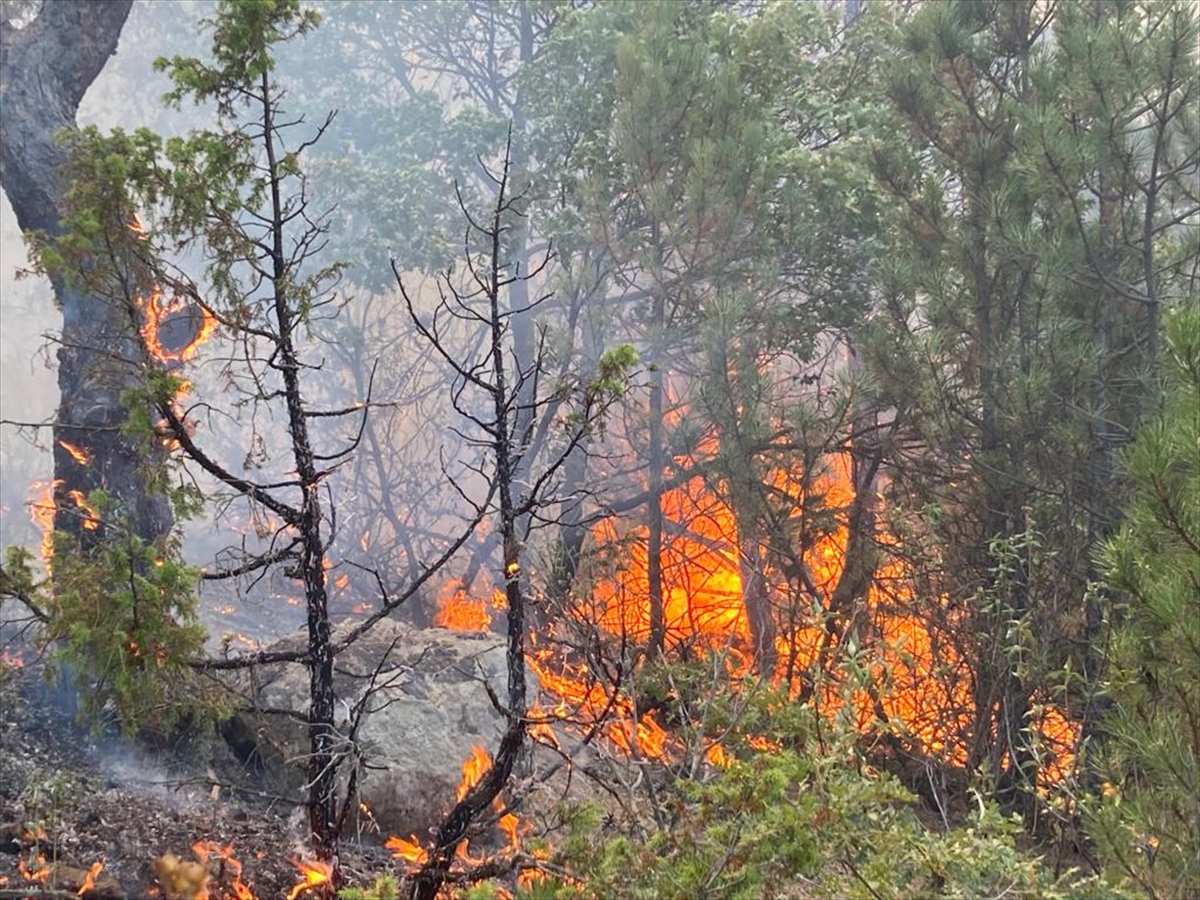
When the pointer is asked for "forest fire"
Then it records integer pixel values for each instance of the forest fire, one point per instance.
(42, 510)
(89, 880)
(408, 850)
(80, 454)
(837, 485)
(916, 682)
(458, 611)
(314, 874)
(584, 703)
(37, 870)
(474, 768)
(173, 329)
(229, 868)
(91, 517)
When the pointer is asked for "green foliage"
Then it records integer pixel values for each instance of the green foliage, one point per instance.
(703, 705)
(612, 374)
(810, 817)
(385, 887)
(122, 624)
(1147, 823)
(808, 823)
(1033, 231)
(392, 157)
(244, 35)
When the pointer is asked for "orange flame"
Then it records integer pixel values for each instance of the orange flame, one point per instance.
(91, 519)
(458, 612)
(473, 769)
(157, 312)
(42, 510)
(315, 873)
(230, 865)
(919, 684)
(89, 880)
(39, 872)
(77, 453)
(409, 851)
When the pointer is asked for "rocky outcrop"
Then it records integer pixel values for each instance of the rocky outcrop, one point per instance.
(421, 700)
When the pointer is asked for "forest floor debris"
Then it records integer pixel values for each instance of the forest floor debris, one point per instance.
(71, 799)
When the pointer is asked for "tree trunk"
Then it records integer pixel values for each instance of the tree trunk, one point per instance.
(45, 69)
(524, 339)
(654, 512)
(322, 761)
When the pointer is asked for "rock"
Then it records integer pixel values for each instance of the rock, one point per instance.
(72, 879)
(10, 837)
(429, 708)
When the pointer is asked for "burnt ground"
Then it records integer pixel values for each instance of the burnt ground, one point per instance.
(77, 798)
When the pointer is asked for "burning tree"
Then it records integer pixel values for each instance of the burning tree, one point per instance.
(140, 211)
(236, 195)
(46, 67)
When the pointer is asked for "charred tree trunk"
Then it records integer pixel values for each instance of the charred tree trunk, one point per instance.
(45, 69)
(572, 533)
(654, 511)
(507, 448)
(322, 762)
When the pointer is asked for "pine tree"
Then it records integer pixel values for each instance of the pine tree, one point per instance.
(1147, 821)
(1036, 232)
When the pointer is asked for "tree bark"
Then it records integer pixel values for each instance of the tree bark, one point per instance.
(322, 761)
(45, 70)
(654, 511)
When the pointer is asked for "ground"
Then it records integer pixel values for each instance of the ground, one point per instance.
(78, 798)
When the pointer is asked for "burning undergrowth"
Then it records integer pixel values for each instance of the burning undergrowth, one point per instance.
(95, 815)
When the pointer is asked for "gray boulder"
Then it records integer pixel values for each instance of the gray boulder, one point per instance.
(428, 708)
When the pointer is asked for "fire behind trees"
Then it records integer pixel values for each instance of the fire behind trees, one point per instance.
(909, 545)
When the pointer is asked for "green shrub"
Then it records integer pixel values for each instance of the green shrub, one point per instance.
(1146, 824)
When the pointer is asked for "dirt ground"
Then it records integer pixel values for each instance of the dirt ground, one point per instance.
(70, 799)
